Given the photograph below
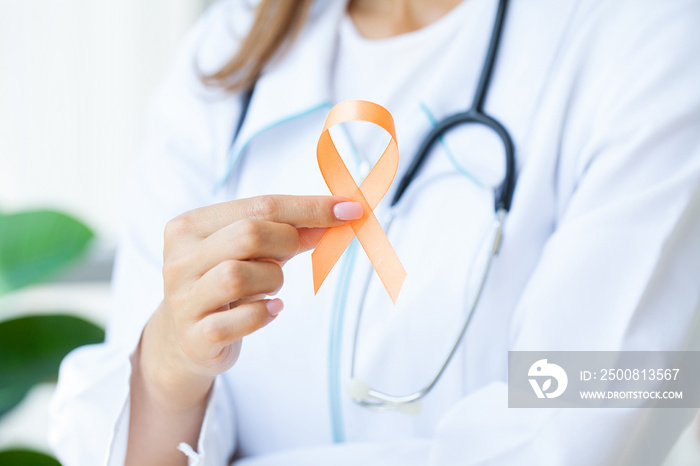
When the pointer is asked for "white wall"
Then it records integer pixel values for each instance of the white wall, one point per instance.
(74, 78)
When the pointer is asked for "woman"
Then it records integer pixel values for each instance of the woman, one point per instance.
(601, 248)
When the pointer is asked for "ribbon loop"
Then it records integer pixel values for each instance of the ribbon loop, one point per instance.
(375, 185)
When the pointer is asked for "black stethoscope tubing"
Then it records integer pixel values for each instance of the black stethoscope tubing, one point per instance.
(475, 115)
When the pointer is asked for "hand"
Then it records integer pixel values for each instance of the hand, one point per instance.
(219, 263)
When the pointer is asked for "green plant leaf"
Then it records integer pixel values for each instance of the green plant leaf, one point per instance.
(36, 245)
(26, 458)
(32, 347)
(11, 396)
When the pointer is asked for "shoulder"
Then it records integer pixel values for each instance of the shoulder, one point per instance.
(216, 35)
(187, 124)
(631, 63)
(645, 34)
(655, 30)
(219, 31)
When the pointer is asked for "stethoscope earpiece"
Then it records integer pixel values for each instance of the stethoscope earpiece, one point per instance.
(411, 409)
(359, 391)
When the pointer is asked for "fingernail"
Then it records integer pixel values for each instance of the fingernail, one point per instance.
(274, 306)
(347, 210)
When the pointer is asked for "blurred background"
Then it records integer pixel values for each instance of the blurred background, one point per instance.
(75, 78)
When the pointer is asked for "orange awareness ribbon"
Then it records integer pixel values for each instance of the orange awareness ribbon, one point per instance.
(341, 183)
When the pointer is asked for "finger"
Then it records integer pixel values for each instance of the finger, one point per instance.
(246, 300)
(246, 239)
(298, 211)
(232, 280)
(225, 327)
(309, 238)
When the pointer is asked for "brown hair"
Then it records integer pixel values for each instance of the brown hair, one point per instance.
(276, 22)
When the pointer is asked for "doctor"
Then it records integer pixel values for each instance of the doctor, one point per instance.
(203, 363)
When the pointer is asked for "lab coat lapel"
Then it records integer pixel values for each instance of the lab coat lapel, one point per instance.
(296, 84)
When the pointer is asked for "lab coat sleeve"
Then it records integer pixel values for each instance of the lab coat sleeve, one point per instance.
(175, 170)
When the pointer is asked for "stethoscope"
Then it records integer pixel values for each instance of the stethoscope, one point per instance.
(361, 392)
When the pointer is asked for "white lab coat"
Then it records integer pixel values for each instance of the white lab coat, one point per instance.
(601, 249)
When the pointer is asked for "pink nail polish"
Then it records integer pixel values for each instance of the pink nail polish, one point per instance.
(274, 306)
(347, 210)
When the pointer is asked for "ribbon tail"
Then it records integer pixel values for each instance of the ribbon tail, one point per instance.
(382, 256)
(329, 249)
